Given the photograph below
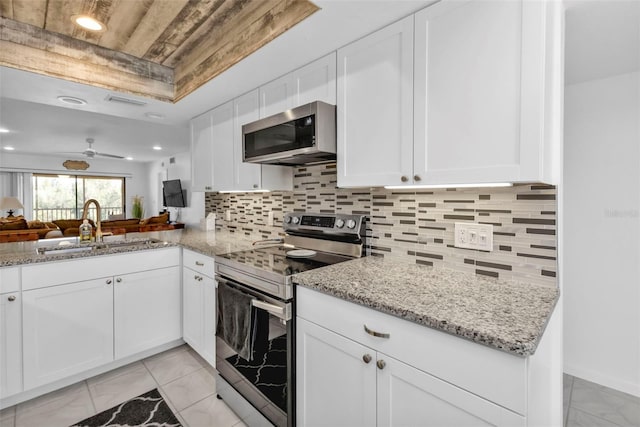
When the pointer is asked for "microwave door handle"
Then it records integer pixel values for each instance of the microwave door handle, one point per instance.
(281, 312)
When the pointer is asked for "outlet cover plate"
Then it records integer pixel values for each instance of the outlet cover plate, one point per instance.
(473, 236)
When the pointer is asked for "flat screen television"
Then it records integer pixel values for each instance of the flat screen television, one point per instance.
(172, 195)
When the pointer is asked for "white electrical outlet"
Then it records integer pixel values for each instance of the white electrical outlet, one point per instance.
(270, 218)
(227, 215)
(473, 236)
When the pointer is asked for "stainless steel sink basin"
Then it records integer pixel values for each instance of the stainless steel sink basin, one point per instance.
(61, 250)
(65, 249)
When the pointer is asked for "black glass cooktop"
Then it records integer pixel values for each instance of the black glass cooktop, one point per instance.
(274, 260)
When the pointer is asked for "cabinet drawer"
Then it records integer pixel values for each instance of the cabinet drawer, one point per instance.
(9, 279)
(78, 270)
(495, 375)
(197, 262)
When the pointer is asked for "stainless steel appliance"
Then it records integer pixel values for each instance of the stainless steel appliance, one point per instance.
(311, 241)
(302, 135)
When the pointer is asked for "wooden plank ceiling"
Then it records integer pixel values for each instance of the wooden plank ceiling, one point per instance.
(163, 49)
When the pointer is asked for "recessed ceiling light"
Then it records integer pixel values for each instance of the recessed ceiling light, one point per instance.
(157, 147)
(154, 115)
(3, 130)
(89, 23)
(72, 100)
(9, 148)
(128, 158)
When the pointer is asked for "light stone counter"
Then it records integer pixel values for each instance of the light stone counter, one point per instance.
(507, 315)
(208, 243)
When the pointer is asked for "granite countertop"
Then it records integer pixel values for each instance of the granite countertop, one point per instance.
(209, 243)
(507, 315)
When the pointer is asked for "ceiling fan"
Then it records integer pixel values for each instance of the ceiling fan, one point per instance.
(91, 152)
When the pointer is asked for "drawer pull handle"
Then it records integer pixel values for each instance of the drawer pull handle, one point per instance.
(376, 334)
(109, 281)
(119, 280)
(200, 264)
(381, 364)
(366, 358)
(404, 178)
(12, 298)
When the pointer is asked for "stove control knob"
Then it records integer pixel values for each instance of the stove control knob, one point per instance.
(296, 220)
(351, 224)
(339, 223)
(287, 219)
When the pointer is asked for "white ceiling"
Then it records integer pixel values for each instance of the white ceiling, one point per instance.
(39, 123)
(602, 39)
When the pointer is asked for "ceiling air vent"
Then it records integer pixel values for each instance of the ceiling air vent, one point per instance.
(123, 100)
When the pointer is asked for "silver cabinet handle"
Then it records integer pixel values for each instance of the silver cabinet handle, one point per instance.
(376, 334)
(119, 279)
(109, 281)
(381, 364)
(366, 358)
(255, 185)
(198, 278)
(416, 178)
(200, 264)
(12, 298)
(404, 178)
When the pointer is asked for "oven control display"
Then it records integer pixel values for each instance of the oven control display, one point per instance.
(318, 221)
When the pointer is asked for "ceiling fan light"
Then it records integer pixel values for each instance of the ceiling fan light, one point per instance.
(89, 23)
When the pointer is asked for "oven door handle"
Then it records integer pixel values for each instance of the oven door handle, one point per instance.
(273, 309)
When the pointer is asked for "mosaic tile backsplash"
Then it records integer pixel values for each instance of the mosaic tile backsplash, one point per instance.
(416, 225)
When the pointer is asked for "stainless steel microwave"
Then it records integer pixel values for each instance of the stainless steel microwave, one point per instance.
(302, 135)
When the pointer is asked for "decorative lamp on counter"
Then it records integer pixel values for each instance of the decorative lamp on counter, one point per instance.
(9, 204)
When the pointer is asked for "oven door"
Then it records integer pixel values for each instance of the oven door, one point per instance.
(266, 381)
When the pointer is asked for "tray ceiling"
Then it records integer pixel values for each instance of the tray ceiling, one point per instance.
(163, 49)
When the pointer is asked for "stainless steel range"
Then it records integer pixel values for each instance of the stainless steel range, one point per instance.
(265, 376)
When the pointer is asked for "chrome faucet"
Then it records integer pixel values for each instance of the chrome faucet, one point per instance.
(85, 210)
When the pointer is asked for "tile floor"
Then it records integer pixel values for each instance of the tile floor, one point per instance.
(588, 404)
(187, 383)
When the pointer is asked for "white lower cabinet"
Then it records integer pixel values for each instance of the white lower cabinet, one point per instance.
(335, 387)
(10, 344)
(147, 310)
(340, 367)
(199, 304)
(68, 329)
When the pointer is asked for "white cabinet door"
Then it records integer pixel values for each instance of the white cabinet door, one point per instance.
(335, 387)
(275, 96)
(375, 108)
(148, 310)
(481, 89)
(410, 397)
(201, 153)
(208, 349)
(10, 344)
(192, 308)
(68, 329)
(223, 143)
(315, 82)
(245, 110)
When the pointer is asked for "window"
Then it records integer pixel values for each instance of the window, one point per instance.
(63, 196)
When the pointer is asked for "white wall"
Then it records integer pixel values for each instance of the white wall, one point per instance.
(602, 232)
(180, 169)
(135, 173)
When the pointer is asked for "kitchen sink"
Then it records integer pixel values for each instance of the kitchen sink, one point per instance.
(100, 246)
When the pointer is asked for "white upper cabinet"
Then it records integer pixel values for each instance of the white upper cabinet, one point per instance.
(315, 82)
(223, 143)
(474, 98)
(275, 96)
(483, 81)
(375, 107)
(245, 110)
(201, 153)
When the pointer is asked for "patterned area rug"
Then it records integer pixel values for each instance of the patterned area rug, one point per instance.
(146, 410)
(267, 371)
